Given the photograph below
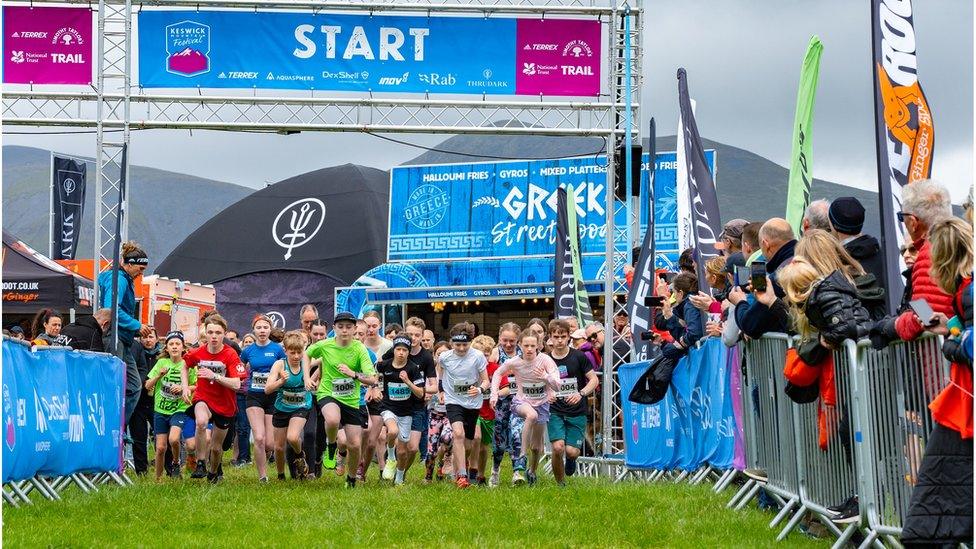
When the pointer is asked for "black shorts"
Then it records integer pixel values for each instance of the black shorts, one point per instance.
(374, 408)
(347, 415)
(467, 416)
(280, 419)
(219, 421)
(260, 400)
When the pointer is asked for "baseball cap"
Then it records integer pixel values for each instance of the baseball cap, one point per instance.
(344, 316)
(16, 330)
(578, 334)
(402, 341)
(733, 230)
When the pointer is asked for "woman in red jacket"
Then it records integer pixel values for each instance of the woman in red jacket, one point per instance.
(941, 508)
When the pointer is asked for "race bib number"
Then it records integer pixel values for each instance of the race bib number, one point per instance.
(567, 387)
(259, 380)
(294, 398)
(534, 390)
(217, 367)
(342, 387)
(398, 391)
(512, 386)
(461, 388)
(167, 390)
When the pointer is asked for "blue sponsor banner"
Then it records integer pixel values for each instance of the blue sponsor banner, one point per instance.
(508, 209)
(62, 412)
(693, 424)
(377, 53)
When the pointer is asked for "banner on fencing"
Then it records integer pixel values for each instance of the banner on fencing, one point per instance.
(693, 425)
(377, 53)
(43, 45)
(62, 412)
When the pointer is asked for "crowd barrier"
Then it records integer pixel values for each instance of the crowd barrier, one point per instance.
(62, 416)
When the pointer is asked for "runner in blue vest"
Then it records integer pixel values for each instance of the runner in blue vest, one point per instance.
(290, 385)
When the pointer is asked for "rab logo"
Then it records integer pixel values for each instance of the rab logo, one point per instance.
(304, 218)
(188, 48)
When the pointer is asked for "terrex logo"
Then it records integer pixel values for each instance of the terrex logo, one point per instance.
(394, 80)
(539, 200)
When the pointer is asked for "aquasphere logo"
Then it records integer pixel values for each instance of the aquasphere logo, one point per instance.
(426, 207)
(188, 48)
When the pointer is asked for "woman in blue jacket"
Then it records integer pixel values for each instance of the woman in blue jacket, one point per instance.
(681, 318)
(134, 262)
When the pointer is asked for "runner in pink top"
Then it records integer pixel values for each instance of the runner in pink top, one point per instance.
(536, 380)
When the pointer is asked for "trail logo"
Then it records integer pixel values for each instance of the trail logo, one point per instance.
(305, 218)
(188, 48)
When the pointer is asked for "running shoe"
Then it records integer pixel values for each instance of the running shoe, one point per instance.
(531, 478)
(389, 471)
(220, 471)
(174, 470)
(350, 482)
(756, 474)
(340, 467)
(429, 471)
(213, 478)
(849, 513)
(360, 473)
(200, 471)
(518, 478)
(462, 482)
(493, 480)
(301, 466)
(241, 463)
(281, 476)
(328, 463)
(562, 483)
(570, 467)
(482, 481)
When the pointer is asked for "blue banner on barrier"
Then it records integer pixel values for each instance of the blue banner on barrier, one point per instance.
(693, 424)
(62, 412)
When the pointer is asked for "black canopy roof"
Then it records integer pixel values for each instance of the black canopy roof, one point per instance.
(282, 227)
(32, 281)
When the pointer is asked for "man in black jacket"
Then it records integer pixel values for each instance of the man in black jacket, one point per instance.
(140, 425)
(847, 219)
(753, 317)
(85, 334)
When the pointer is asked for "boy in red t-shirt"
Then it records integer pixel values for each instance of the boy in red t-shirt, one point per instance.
(219, 375)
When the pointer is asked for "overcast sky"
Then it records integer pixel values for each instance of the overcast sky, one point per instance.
(743, 60)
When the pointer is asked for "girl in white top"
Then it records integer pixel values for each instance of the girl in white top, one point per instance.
(536, 379)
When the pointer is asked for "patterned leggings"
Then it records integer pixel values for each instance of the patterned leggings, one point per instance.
(505, 439)
(438, 433)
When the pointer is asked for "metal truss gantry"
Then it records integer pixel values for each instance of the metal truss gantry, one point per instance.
(116, 106)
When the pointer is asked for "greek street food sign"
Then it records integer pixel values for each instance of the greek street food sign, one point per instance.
(381, 53)
(506, 210)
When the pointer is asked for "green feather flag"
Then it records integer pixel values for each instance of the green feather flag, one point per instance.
(801, 159)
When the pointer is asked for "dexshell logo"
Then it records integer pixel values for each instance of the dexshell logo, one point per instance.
(426, 207)
(188, 48)
(9, 432)
(277, 319)
(302, 221)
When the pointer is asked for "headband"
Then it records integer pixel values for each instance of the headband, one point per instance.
(136, 257)
(461, 338)
(175, 334)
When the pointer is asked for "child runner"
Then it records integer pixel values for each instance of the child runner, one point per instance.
(463, 380)
(567, 425)
(169, 406)
(260, 357)
(439, 428)
(289, 383)
(486, 417)
(402, 389)
(219, 375)
(507, 348)
(536, 379)
(345, 365)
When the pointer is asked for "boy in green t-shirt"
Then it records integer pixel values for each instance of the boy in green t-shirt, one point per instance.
(345, 365)
(170, 407)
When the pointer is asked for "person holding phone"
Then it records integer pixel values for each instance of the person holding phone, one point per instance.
(755, 317)
(678, 315)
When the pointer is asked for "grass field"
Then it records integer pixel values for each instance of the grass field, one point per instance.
(243, 513)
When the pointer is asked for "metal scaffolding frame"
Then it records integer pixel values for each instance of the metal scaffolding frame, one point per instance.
(114, 110)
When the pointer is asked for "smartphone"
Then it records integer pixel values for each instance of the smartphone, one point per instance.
(924, 312)
(741, 275)
(758, 276)
(653, 301)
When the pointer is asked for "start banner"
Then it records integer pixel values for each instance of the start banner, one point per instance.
(62, 412)
(381, 53)
(47, 45)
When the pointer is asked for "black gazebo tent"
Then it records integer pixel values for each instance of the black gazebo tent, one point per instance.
(289, 244)
(32, 281)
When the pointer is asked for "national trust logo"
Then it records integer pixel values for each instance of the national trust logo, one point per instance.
(297, 223)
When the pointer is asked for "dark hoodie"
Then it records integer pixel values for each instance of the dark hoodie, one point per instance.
(85, 334)
(867, 251)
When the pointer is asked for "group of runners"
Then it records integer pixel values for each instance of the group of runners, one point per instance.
(337, 403)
